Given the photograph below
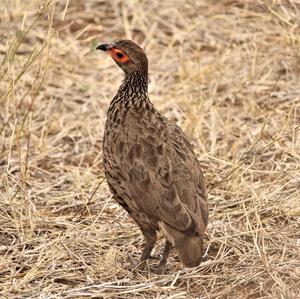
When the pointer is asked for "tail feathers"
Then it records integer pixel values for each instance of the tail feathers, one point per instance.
(190, 249)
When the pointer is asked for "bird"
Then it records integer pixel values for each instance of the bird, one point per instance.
(150, 165)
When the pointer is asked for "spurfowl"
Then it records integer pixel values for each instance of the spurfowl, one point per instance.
(150, 165)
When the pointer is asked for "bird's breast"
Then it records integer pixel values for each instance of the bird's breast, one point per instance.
(138, 136)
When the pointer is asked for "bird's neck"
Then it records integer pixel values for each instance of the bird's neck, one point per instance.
(136, 83)
(132, 91)
(132, 94)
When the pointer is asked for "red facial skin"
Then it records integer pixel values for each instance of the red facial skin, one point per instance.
(114, 52)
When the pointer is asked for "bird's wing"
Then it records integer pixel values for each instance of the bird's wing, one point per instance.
(166, 182)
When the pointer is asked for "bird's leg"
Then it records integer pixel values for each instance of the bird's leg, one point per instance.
(159, 269)
(166, 252)
(150, 240)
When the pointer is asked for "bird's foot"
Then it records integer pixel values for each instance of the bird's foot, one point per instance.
(157, 269)
(154, 257)
(137, 266)
(145, 267)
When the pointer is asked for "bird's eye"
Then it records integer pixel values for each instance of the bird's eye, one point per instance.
(118, 55)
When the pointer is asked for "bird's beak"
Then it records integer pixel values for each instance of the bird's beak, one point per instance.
(105, 47)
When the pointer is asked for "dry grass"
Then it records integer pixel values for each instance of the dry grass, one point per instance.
(228, 71)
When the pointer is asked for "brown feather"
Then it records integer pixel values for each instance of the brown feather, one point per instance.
(151, 167)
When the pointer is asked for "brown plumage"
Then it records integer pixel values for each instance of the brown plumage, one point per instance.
(150, 165)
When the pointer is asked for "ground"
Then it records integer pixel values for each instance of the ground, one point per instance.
(226, 71)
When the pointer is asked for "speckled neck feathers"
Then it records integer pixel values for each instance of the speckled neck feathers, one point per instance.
(132, 92)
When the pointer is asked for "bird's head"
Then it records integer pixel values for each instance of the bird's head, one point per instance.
(129, 56)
